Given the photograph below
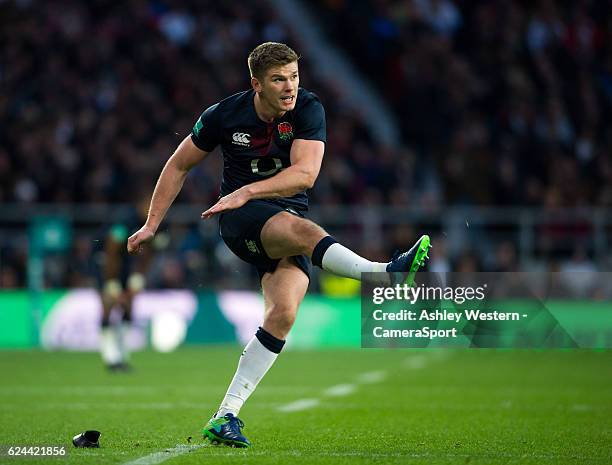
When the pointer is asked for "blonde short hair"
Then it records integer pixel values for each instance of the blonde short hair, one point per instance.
(269, 55)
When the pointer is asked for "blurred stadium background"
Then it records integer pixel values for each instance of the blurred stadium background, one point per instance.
(483, 123)
(497, 111)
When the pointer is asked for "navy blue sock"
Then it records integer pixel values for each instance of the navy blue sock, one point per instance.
(268, 341)
(320, 249)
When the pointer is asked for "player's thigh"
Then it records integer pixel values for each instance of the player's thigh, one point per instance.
(286, 235)
(283, 291)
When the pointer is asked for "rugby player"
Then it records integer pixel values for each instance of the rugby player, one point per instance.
(273, 138)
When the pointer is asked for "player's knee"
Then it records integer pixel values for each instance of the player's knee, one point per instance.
(306, 233)
(289, 234)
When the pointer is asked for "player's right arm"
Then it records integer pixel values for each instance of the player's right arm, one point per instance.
(169, 184)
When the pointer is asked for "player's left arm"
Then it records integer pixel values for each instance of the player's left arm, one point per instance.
(306, 158)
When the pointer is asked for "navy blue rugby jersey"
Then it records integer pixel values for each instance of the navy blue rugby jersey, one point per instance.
(253, 149)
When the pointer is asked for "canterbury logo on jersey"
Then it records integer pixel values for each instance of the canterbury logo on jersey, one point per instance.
(241, 138)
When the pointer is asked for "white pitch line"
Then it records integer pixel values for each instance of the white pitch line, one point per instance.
(78, 390)
(159, 457)
(115, 406)
(299, 405)
(441, 355)
(430, 456)
(582, 408)
(340, 390)
(416, 362)
(371, 377)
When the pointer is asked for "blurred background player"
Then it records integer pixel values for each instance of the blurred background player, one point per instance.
(122, 278)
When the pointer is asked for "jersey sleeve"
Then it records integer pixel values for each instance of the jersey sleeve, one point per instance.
(311, 122)
(206, 133)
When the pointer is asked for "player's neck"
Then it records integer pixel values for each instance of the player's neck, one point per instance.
(264, 111)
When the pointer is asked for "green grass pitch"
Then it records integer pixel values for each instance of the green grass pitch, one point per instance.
(357, 406)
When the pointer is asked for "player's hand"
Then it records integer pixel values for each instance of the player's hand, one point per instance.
(229, 202)
(140, 237)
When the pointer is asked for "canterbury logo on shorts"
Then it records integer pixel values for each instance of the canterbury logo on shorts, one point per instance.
(241, 138)
(252, 246)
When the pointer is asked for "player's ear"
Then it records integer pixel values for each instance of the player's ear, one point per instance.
(255, 84)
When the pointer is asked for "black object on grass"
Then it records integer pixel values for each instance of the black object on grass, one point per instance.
(87, 439)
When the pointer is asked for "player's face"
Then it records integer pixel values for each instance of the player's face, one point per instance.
(279, 87)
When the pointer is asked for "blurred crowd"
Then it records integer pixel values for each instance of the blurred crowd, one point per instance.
(96, 95)
(509, 100)
(499, 102)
